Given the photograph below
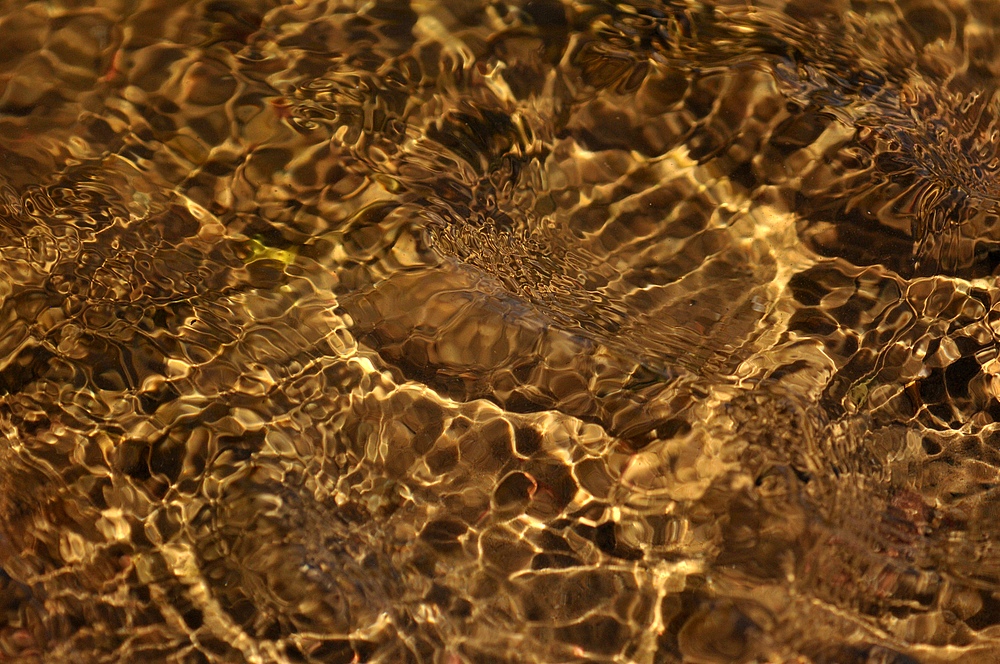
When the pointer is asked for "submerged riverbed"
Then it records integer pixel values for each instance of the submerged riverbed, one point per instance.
(466, 331)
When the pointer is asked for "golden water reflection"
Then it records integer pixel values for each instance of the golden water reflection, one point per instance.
(533, 331)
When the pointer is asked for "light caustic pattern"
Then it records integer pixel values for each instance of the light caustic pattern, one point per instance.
(535, 331)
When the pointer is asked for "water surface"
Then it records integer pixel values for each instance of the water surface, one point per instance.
(533, 331)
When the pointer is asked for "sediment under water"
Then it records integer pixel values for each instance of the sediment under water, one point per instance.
(533, 331)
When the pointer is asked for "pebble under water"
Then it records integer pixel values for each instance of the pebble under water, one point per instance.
(528, 331)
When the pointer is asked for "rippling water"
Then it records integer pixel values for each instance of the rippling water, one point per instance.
(459, 331)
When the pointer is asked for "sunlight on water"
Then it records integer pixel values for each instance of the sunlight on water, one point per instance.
(460, 331)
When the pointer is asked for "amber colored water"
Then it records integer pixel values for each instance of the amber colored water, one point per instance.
(457, 331)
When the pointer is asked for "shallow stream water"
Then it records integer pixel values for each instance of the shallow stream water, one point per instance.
(460, 331)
